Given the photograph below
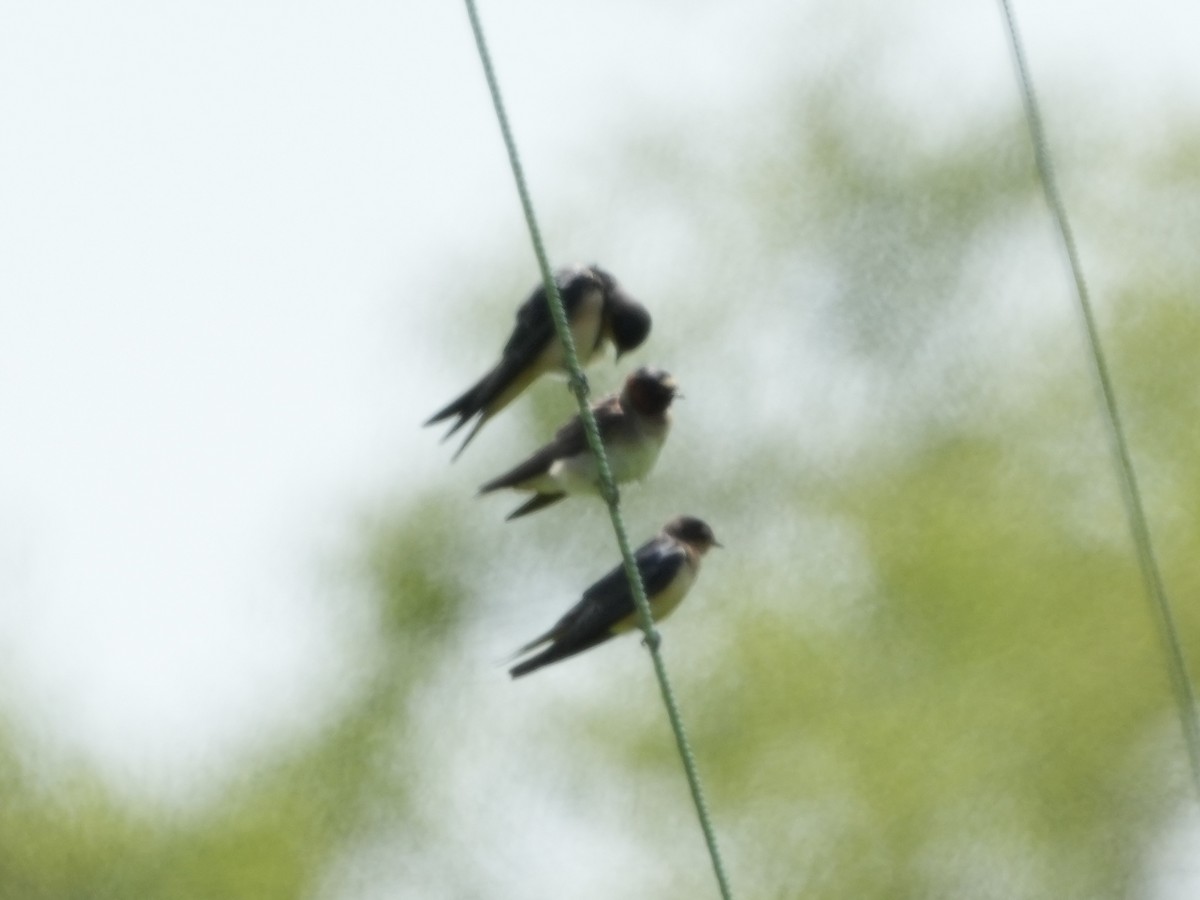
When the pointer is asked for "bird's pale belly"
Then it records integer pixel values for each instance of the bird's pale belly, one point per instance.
(632, 463)
(665, 602)
(585, 333)
(581, 475)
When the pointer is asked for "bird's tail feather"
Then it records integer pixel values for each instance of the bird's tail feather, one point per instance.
(555, 652)
(470, 434)
(484, 399)
(533, 504)
(464, 406)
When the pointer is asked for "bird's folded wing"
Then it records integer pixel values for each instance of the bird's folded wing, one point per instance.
(535, 325)
(610, 598)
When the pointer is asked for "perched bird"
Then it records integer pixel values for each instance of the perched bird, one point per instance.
(668, 564)
(597, 309)
(633, 426)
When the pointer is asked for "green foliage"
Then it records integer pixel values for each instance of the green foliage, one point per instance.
(278, 830)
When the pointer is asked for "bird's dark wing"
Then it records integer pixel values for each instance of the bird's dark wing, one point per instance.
(658, 562)
(541, 459)
(535, 326)
(604, 605)
(568, 441)
(532, 333)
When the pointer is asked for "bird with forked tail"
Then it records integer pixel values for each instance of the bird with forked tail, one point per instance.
(633, 426)
(598, 311)
(668, 564)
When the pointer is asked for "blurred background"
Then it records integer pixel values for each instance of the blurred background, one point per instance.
(252, 619)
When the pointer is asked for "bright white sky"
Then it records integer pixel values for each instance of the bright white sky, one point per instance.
(223, 228)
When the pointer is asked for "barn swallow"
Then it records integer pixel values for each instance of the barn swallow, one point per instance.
(668, 564)
(597, 309)
(633, 426)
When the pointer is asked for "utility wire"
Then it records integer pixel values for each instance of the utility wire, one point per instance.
(608, 487)
(1181, 682)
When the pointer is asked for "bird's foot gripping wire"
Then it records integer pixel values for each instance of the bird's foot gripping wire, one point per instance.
(577, 383)
(610, 493)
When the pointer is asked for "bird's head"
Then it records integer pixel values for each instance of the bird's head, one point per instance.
(649, 391)
(692, 531)
(627, 321)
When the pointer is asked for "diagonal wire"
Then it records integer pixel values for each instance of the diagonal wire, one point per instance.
(1181, 681)
(607, 484)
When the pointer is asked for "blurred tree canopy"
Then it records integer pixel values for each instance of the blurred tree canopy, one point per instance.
(923, 667)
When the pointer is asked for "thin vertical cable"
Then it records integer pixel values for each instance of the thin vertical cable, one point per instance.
(1181, 682)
